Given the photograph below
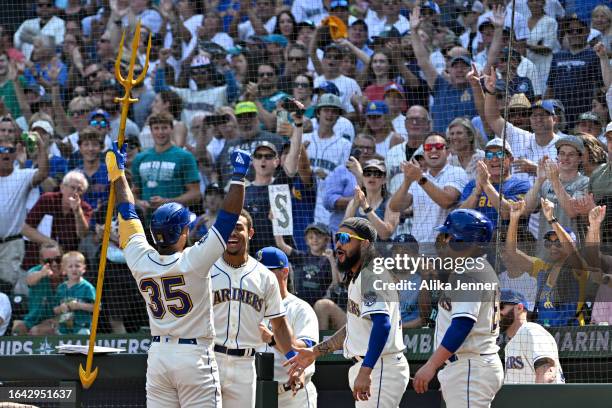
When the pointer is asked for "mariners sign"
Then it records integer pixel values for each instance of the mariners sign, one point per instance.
(583, 342)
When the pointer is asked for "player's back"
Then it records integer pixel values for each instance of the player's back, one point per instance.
(176, 287)
(530, 343)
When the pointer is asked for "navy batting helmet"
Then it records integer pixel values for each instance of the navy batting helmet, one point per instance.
(168, 222)
(466, 225)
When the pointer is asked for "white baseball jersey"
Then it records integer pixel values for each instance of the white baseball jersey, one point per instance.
(303, 321)
(530, 343)
(359, 325)
(480, 306)
(176, 287)
(242, 298)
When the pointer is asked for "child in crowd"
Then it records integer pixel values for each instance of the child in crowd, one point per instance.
(75, 297)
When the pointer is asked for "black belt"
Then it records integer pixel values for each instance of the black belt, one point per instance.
(235, 352)
(9, 238)
(356, 360)
(454, 357)
(156, 339)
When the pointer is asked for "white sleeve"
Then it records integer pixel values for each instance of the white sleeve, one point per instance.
(372, 303)
(306, 325)
(273, 301)
(5, 308)
(136, 248)
(518, 140)
(457, 179)
(205, 252)
(542, 346)
(297, 11)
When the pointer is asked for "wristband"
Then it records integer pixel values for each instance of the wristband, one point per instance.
(423, 180)
(368, 210)
(553, 220)
(272, 342)
(298, 125)
(237, 177)
(290, 354)
(238, 182)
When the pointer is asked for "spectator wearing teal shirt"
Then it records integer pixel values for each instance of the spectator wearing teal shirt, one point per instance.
(75, 297)
(165, 172)
(42, 280)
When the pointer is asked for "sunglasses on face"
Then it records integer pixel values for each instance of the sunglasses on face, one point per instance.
(132, 145)
(304, 85)
(548, 243)
(101, 123)
(491, 155)
(7, 150)
(336, 57)
(364, 148)
(57, 260)
(266, 74)
(428, 147)
(345, 237)
(266, 156)
(373, 173)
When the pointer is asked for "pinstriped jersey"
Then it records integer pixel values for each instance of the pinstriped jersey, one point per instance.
(531, 343)
(482, 306)
(242, 298)
(305, 326)
(176, 287)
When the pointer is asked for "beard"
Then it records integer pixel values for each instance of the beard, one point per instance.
(349, 261)
(506, 321)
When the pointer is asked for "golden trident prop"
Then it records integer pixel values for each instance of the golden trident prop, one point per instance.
(87, 376)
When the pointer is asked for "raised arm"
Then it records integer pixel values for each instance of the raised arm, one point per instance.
(532, 198)
(565, 200)
(516, 260)
(498, 19)
(492, 115)
(402, 199)
(293, 157)
(420, 51)
(604, 63)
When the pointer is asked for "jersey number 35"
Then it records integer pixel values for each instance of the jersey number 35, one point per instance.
(157, 299)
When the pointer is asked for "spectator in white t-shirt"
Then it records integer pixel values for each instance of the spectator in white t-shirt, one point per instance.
(15, 186)
(432, 193)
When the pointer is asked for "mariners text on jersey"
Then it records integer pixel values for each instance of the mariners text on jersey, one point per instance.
(238, 295)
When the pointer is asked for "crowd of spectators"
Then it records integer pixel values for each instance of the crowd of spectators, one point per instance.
(413, 108)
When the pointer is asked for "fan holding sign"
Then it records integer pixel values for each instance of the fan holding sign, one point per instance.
(269, 197)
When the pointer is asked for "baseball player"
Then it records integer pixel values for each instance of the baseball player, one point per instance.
(244, 293)
(467, 323)
(175, 283)
(531, 352)
(302, 320)
(372, 336)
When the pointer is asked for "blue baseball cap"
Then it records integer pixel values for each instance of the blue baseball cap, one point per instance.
(98, 112)
(377, 108)
(513, 297)
(328, 87)
(276, 39)
(567, 229)
(338, 3)
(545, 104)
(272, 258)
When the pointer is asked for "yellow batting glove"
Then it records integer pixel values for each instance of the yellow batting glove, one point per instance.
(115, 161)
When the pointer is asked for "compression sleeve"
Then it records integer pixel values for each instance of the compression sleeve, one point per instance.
(308, 342)
(225, 223)
(457, 332)
(381, 327)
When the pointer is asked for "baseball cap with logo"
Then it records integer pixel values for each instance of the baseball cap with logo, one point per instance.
(330, 101)
(267, 145)
(272, 258)
(375, 164)
(200, 61)
(245, 107)
(546, 105)
(317, 226)
(590, 117)
(377, 108)
(44, 125)
(328, 87)
(98, 112)
(394, 88)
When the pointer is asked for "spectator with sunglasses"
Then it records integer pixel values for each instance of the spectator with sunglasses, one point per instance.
(561, 274)
(15, 185)
(42, 280)
(370, 200)
(432, 193)
(492, 175)
(296, 64)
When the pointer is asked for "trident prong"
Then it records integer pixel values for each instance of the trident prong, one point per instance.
(129, 81)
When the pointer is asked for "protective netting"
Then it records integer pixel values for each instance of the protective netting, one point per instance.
(426, 108)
